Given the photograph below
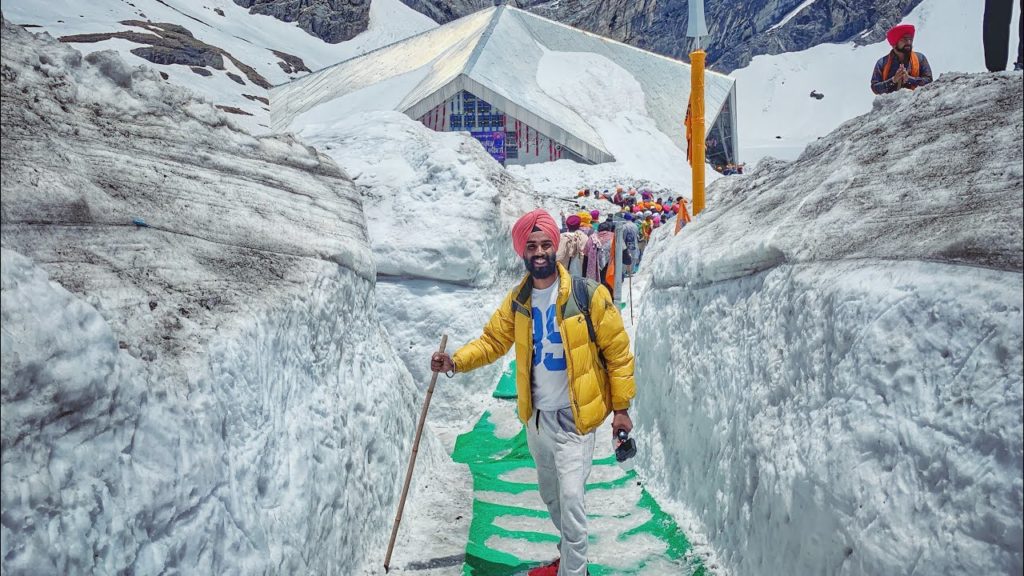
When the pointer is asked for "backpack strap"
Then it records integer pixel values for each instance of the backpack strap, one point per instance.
(519, 302)
(582, 291)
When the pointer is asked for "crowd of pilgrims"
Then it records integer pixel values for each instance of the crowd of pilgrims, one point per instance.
(586, 247)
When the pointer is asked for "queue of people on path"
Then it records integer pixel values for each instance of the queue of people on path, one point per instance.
(587, 239)
(729, 168)
(621, 197)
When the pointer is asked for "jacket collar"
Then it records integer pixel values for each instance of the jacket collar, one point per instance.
(525, 288)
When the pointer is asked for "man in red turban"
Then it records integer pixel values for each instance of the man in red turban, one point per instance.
(901, 67)
(573, 369)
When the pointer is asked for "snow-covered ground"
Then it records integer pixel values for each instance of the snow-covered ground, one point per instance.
(251, 38)
(831, 354)
(777, 116)
(829, 357)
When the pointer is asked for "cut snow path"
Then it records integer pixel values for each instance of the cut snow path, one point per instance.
(512, 532)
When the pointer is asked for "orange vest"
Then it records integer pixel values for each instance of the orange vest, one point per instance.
(915, 68)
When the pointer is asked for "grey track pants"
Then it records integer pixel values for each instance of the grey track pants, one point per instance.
(563, 460)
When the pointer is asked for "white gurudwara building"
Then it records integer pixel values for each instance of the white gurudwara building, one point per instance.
(479, 74)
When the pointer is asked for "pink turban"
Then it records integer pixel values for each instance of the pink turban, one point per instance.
(540, 219)
(595, 214)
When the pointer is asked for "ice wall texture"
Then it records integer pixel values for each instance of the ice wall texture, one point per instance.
(206, 390)
(439, 214)
(831, 354)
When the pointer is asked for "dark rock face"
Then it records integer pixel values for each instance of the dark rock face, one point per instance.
(232, 110)
(255, 98)
(183, 56)
(330, 20)
(290, 63)
(742, 29)
(444, 11)
(738, 29)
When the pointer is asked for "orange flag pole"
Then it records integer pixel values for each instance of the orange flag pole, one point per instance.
(697, 125)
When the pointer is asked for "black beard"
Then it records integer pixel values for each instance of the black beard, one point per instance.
(907, 50)
(542, 272)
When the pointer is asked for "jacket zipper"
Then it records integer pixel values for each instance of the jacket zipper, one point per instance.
(570, 370)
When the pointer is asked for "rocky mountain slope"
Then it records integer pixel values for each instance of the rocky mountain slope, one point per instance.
(328, 19)
(738, 29)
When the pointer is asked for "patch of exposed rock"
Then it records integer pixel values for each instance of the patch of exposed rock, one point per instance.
(290, 63)
(255, 98)
(331, 20)
(172, 44)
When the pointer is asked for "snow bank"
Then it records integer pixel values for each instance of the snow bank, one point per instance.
(439, 213)
(934, 175)
(207, 389)
(456, 200)
(831, 353)
(252, 38)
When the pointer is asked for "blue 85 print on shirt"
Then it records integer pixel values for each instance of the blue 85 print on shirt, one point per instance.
(544, 329)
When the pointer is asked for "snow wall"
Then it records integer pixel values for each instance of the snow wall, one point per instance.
(194, 373)
(832, 351)
(439, 213)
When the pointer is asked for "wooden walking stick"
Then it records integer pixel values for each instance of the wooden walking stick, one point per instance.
(412, 461)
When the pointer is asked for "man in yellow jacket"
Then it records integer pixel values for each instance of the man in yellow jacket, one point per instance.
(571, 373)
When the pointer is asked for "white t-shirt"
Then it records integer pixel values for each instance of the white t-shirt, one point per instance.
(550, 385)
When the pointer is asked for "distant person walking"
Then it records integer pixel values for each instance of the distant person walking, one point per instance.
(599, 252)
(684, 214)
(631, 242)
(570, 375)
(996, 35)
(571, 246)
(901, 67)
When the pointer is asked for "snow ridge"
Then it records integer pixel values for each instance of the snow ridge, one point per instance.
(929, 176)
(833, 350)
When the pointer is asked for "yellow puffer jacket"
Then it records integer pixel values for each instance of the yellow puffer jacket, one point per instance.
(594, 391)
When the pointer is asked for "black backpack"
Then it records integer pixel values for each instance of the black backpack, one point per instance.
(582, 291)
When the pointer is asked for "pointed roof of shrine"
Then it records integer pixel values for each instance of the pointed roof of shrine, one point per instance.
(498, 54)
